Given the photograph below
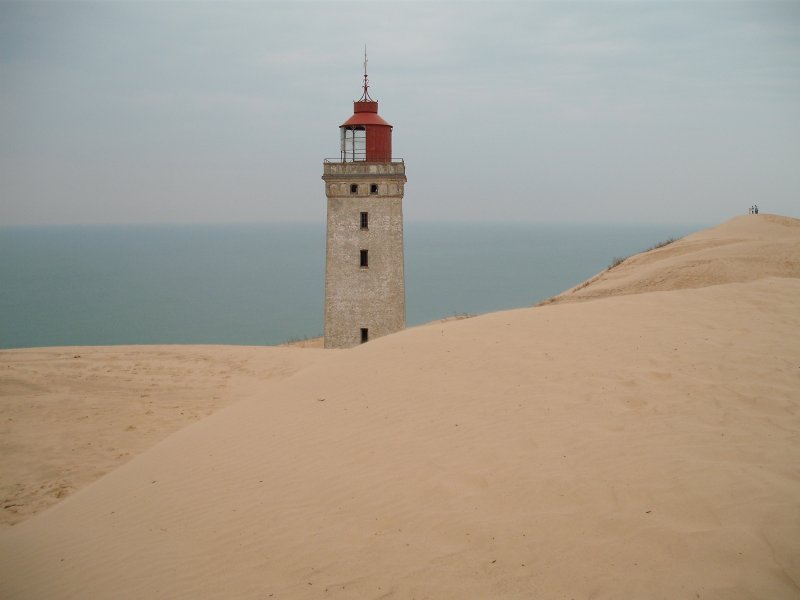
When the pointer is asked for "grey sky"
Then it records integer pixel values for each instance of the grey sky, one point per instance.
(594, 111)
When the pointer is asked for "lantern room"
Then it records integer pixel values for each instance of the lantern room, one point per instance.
(366, 137)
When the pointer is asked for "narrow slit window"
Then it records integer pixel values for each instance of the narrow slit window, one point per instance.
(353, 188)
(373, 188)
(364, 220)
(364, 335)
(364, 259)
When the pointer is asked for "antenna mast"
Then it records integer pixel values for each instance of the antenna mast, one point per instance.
(365, 96)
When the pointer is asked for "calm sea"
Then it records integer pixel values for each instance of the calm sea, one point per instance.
(264, 283)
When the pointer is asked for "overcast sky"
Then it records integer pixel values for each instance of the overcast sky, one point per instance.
(223, 112)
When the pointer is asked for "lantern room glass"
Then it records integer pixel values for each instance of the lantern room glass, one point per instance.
(354, 144)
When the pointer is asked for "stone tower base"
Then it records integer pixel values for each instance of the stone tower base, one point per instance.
(364, 270)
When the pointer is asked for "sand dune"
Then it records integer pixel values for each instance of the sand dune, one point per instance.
(70, 415)
(638, 445)
(740, 250)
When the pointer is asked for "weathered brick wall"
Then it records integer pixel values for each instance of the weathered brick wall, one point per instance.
(371, 297)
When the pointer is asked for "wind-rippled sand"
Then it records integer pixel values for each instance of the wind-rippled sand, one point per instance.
(643, 442)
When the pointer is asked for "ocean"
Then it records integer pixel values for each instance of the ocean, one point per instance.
(263, 284)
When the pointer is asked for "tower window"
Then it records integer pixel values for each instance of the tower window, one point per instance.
(353, 188)
(364, 259)
(364, 335)
(373, 188)
(364, 220)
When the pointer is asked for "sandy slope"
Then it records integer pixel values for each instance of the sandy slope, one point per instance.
(70, 415)
(635, 446)
(742, 249)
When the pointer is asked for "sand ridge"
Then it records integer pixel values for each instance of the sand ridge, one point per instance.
(641, 445)
(70, 415)
(742, 249)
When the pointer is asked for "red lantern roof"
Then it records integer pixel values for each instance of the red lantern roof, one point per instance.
(365, 112)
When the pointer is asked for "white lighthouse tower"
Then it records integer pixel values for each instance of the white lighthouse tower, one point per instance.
(364, 274)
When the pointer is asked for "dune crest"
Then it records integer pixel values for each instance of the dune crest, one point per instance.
(742, 249)
(70, 415)
(642, 445)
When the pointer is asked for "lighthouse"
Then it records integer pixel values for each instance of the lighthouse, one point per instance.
(364, 272)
